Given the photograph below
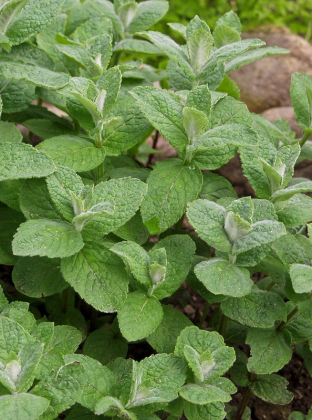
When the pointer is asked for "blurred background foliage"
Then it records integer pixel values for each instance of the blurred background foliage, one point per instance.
(295, 14)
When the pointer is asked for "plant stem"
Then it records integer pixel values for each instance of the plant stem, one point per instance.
(179, 223)
(291, 314)
(305, 138)
(244, 401)
(205, 312)
(223, 325)
(150, 158)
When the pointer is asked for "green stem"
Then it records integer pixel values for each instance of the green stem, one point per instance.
(223, 325)
(115, 59)
(291, 314)
(39, 101)
(244, 401)
(205, 312)
(305, 138)
(271, 285)
(76, 126)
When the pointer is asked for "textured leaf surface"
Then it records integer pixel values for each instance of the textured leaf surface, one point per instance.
(48, 238)
(19, 160)
(212, 411)
(208, 219)
(139, 310)
(171, 185)
(105, 346)
(295, 211)
(301, 277)
(76, 153)
(271, 388)
(201, 395)
(98, 276)
(270, 350)
(222, 277)
(9, 133)
(23, 406)
(164, 338)
(9, 222)
(38, 277)
(259, 309)
(301, 97)
(147, 14)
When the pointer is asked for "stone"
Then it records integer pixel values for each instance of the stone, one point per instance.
(265, 83)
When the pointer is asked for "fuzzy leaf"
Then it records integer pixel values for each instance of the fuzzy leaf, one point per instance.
(301, 278)
(301, 97)
(23, 406)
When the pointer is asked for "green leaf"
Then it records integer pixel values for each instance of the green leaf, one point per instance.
(48, 238)
(301, 278)
(60, 185)
(171, 49)
(38, 277)
(208, 219)
(270, 350)
(295, 211)
(142, 310)
(35, 201)
(252, 56)
(199, 43)
(9, 133)
(18, 21)
(301, 97)
(164, 338)
(290, 251)
(23, 406)
(136, 46)
(200, 98)
(19, 160)
(288, 192)
(46, 128)
(125, 194)
(105, 346)
(38, 75)
(216, 187)
(165, 112)
(98, 276)
(257, 309)
(236, 227)
(211, 411)
(219, 276)
(9, 222)
(77, 153)
(133, 230)
(271, 388)
(194, 122)
(171, 185)
(147, 14)
(198, 394)
(223, 34)
(137, 258)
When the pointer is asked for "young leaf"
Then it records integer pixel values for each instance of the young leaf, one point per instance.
(171, 186)
(147, 14)
(199, 43)
(301, 97)
(48, 238)
(270, 350)
(19, 160)
(98, 276)
(219, 276)
(142, 310)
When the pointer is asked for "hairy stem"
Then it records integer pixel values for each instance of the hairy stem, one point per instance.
(244, 401)
(306, 137)
(155, 140)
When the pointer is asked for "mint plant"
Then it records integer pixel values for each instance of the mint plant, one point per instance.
(98, 261)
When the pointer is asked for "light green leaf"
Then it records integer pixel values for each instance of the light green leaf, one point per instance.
(133, 230)
(60, 185)
(38, 277)
(290, 251)
(179, 251)
(271, 388)
(16, 95)
(200, 98)
(35, 201)
(125, 194)
(171, 185)
(91, 28)
(171, 49)
(216, 187)
(46, 128)
(211, 411)
(262, 233)
(270, 350)
(252, 56)
(295, 211)
(199, 43)
(257, 309)
(164, 338)
(23, 406)
(219, 276)
(223, 34)
(201, 395)
(77, 153)
(288, 192)
(136, 46)
(109, 86)
(137, 258)
(147, 14)
(48, 238)
(301, 278)
(98, 276)
(301, 97)
(235, 226)
(208, 219)
(165, 112)
(178, 28)
(105, 346)
(19, 160)
(142, 310)
(194, 122)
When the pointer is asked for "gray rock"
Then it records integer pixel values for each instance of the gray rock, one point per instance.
(265, 83)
